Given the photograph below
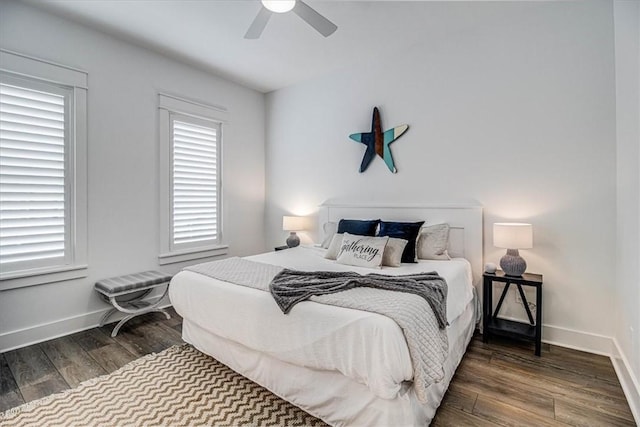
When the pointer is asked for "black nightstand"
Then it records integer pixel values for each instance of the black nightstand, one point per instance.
(531, 331)
(280, 248)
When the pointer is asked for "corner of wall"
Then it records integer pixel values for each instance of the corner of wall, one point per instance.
(630, 384)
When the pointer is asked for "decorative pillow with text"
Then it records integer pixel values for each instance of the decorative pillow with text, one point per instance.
(361, 251)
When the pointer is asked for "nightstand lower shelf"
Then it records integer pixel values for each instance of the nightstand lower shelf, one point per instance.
(511, 329)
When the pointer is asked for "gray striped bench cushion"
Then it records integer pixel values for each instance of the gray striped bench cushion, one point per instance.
(131, 282)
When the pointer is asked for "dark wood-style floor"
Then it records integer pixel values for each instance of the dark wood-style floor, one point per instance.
(501, 383)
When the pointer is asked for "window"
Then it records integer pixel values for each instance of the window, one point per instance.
(42, 157)
(190, 138)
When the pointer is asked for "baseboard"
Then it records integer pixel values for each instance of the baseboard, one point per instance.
(577, 340)
(630, 384)
(47, 331)
(573, 339)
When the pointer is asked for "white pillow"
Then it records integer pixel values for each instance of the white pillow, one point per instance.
(362, 251)
(392, 256)
(330, 229)
(433, 241)
(334, 247)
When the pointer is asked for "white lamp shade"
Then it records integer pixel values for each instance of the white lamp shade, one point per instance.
(293, 223)
(512, 235)
(279, 6)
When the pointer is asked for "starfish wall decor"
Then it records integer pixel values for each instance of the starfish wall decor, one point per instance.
(378, 142)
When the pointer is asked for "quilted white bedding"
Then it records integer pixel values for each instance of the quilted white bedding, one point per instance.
(366, 347)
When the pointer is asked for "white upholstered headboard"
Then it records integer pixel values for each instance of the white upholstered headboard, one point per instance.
(465, 220)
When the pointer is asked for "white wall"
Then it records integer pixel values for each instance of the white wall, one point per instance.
(123, 164)
(627, 327)
(518, 113)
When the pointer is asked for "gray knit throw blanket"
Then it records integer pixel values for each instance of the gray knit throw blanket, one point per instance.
(290, 287)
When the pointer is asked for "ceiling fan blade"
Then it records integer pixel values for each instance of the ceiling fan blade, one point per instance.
(313, 18)
(258, 24)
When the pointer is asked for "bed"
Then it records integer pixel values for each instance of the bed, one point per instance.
(344, 366)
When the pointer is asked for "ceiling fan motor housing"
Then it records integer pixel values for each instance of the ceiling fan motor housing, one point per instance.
(279, 6)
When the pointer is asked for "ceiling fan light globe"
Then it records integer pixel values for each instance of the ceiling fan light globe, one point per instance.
(279, 6)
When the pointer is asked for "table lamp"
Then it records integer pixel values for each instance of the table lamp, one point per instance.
(513, 236)
(293, 224)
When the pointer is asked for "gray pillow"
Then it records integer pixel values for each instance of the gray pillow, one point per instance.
(392, 256)
(330, 229)
(334, 246)
(433, 242)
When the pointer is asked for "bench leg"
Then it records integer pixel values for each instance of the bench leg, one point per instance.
(120, 323)
(131, 316)
(108, 314)
(144, 308)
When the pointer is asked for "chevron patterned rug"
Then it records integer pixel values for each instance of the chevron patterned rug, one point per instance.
(177, 387)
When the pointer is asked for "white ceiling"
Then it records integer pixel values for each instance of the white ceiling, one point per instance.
(210, 33)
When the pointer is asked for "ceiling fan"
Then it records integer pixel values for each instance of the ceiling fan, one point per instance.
(300, 8)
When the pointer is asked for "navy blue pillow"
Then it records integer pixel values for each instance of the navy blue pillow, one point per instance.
(403, 230)
(358, 227)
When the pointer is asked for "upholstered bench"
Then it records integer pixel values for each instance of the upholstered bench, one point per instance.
(136, 286)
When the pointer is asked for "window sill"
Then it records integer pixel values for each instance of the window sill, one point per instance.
(35, 277)
(191, 254)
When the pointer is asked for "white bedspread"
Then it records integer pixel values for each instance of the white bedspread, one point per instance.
(367, 347)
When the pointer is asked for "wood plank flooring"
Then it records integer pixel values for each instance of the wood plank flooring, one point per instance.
(500, 383)
(42, 369)
(504, 383)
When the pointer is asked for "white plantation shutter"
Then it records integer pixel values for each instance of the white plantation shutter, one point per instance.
(195, 182)
(33, 210)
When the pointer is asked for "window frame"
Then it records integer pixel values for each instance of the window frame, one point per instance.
(33, 73)
(171, 108)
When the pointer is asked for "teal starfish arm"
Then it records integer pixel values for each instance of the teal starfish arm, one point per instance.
(390, 136)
